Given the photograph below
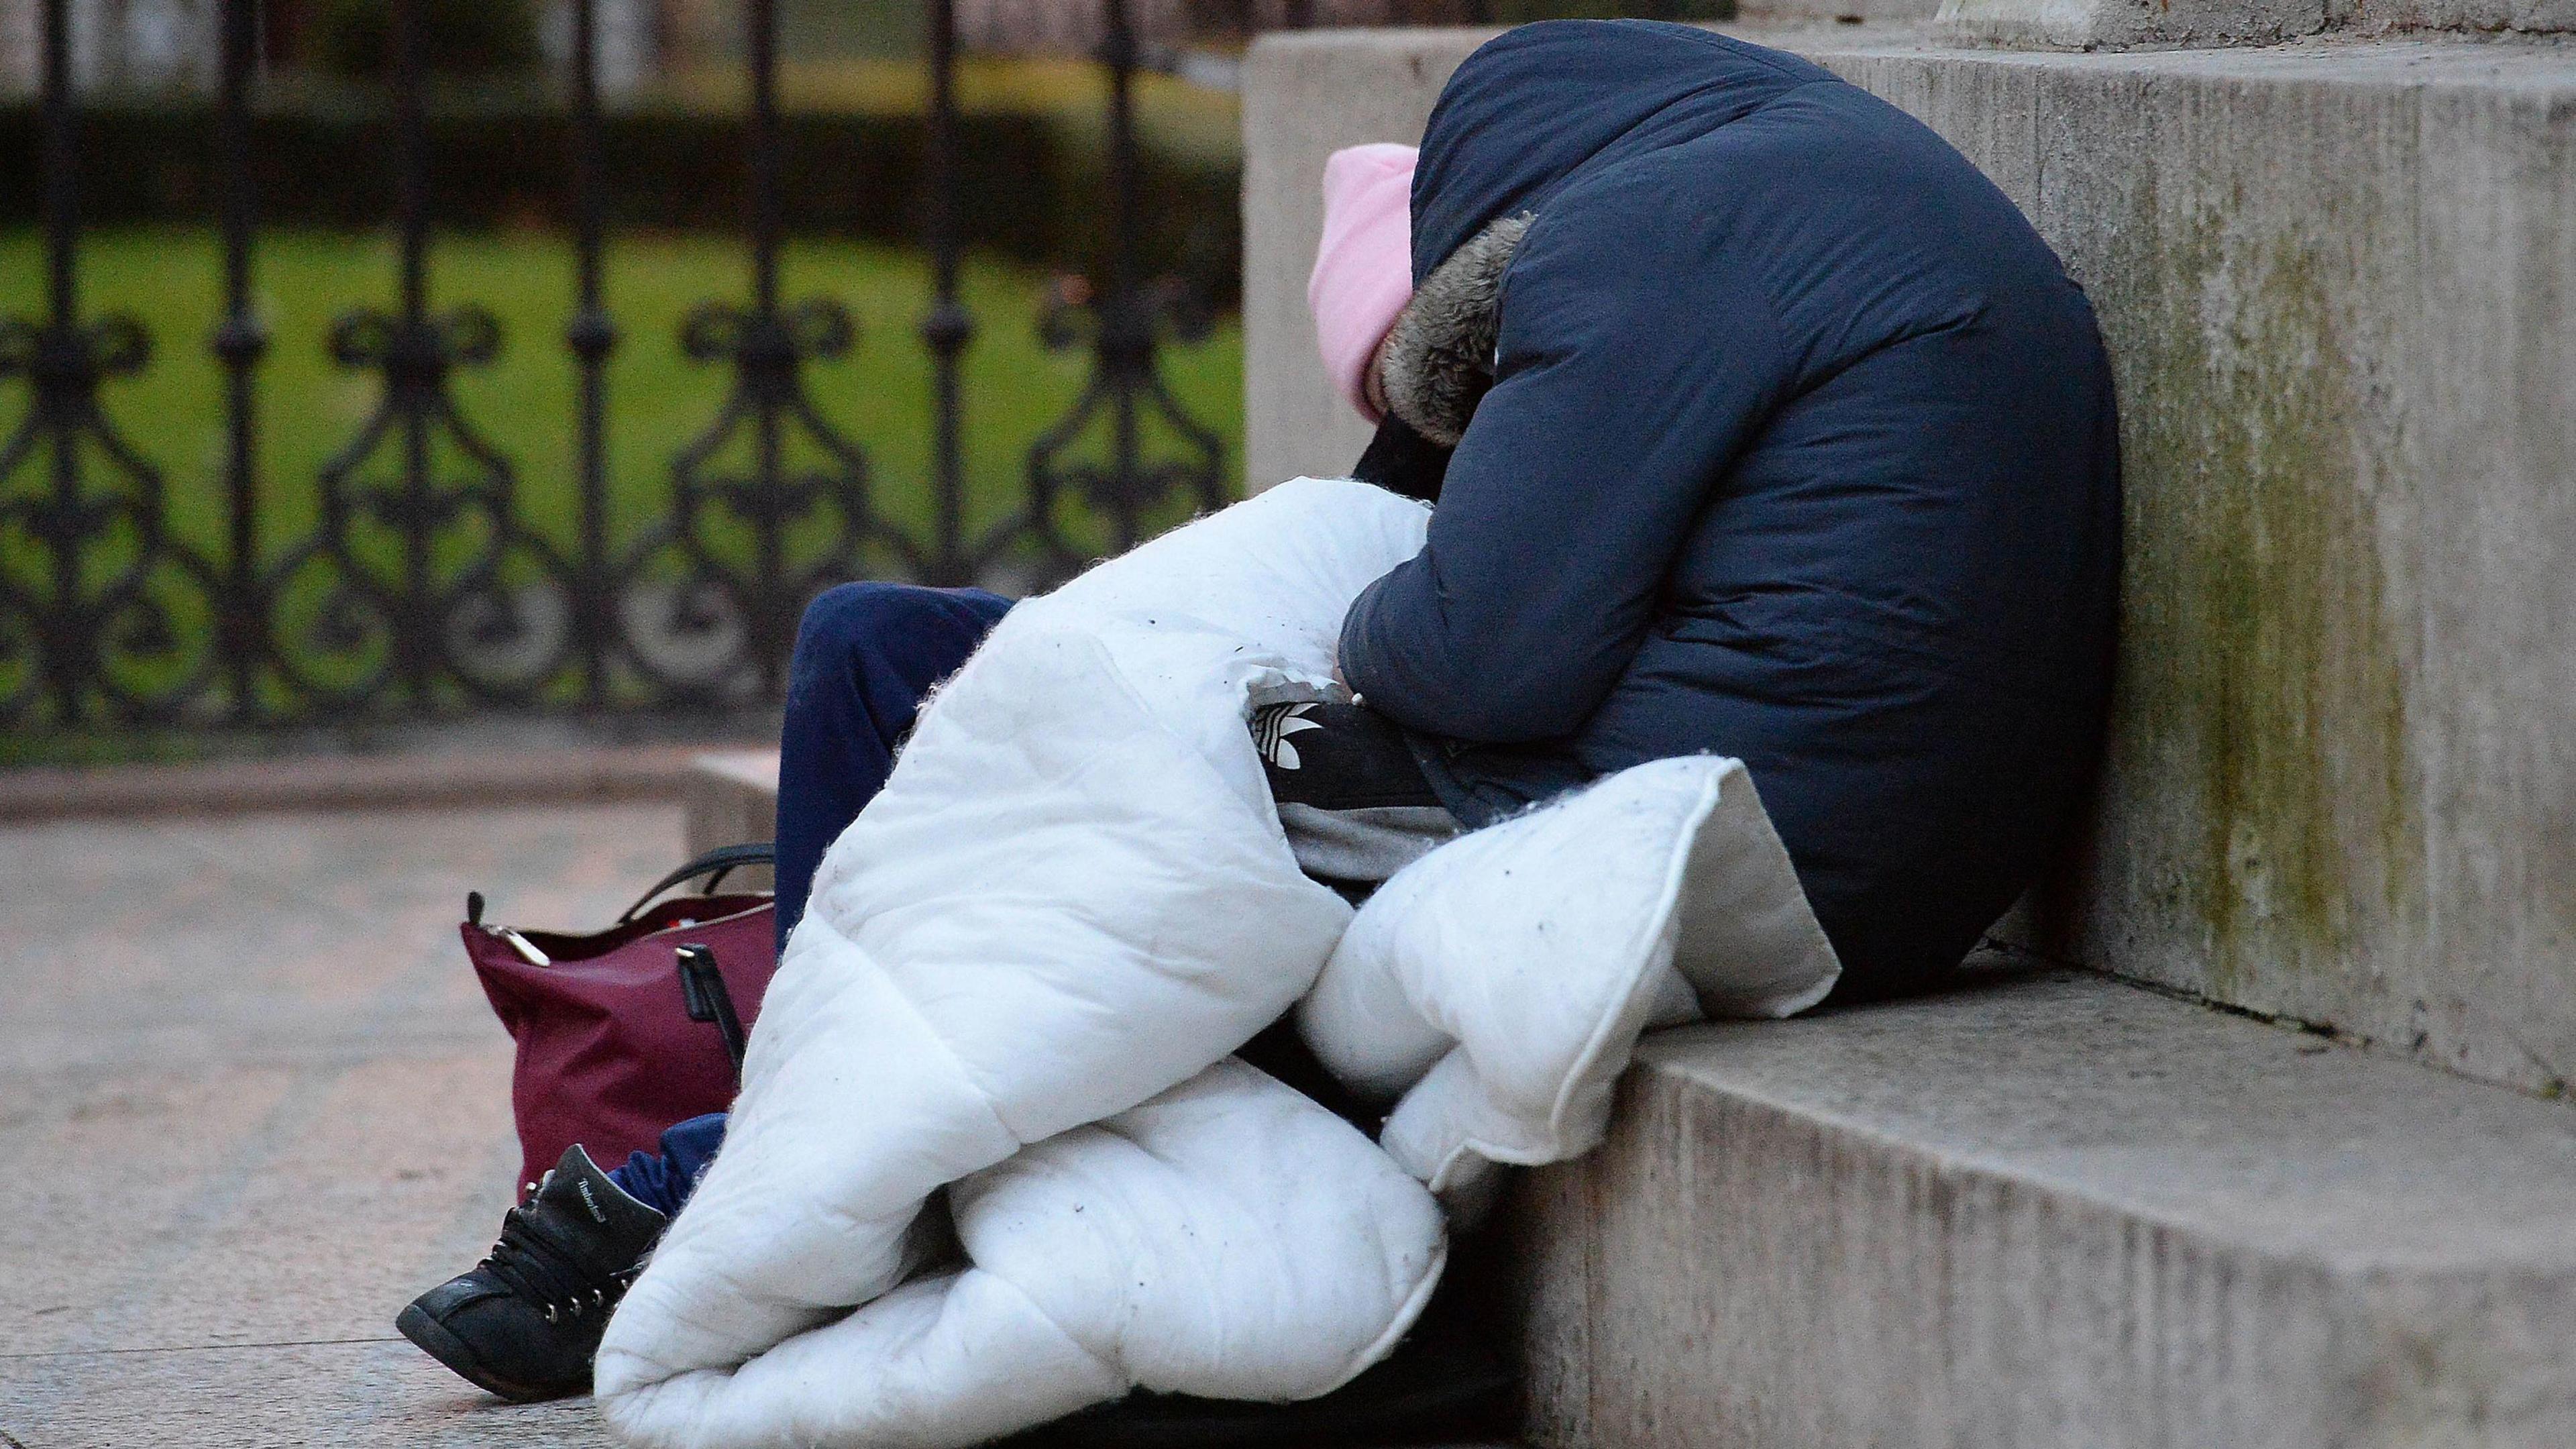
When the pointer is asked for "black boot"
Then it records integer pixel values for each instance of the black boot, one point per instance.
(526, 1321)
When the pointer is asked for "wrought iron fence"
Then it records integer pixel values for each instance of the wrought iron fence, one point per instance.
(423, 588)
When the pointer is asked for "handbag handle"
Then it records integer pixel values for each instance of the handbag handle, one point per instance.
(703, 994)
(716, 864)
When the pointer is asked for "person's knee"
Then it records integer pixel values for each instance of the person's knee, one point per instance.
(887, 640)
(847, 614)
(847, 623)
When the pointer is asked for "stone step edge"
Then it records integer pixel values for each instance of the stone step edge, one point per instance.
(2051, 1210)
(477, 778)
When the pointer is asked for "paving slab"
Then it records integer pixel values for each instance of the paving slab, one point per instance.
(252, 1100)
(365, 1395)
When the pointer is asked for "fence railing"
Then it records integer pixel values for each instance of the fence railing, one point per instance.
(422, 587)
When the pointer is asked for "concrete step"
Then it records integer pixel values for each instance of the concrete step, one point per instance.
(732, 796)
(2057, 1212)
(473, 766)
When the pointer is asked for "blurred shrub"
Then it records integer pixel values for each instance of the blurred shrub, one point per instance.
(354, 38)
(1028, 188)
(1521, 12)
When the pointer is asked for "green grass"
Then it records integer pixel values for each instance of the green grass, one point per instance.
(523, 401)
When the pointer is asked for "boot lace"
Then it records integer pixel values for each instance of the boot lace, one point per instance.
(538, 1269)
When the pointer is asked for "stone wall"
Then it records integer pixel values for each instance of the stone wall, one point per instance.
(2144, 24)
(2338, 282)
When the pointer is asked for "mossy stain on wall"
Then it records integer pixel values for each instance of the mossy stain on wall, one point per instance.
(2262, 671)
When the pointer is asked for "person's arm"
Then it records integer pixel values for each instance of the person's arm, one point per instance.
(1630, 374)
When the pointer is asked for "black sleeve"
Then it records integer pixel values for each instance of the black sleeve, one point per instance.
(1401, 460)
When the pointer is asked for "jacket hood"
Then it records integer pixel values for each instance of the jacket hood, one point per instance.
(1531, 112)
(1537, 106)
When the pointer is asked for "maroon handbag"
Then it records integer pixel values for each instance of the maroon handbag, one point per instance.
(627, 1031)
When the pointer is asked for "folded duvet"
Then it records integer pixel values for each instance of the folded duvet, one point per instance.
(991, 1161)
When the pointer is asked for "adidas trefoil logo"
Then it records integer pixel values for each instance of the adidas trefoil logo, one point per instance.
(1271, 727)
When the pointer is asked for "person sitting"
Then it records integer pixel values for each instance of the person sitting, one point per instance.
(524, 1322)
(1779, 434)
(1757, 422)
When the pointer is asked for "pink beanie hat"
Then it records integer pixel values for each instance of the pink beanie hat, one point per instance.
(1364, 266)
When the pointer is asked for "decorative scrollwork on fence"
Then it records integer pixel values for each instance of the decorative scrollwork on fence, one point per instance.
(1128, 449)
(422, 586)
(96, 597)
(769, 475)
(423, 574)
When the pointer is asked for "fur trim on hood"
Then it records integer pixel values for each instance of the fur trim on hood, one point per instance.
(1439, 357)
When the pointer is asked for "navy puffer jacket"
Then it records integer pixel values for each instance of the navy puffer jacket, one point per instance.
(1799, 446)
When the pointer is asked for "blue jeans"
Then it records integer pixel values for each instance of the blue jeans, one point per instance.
(866, 655)
(663, 1180)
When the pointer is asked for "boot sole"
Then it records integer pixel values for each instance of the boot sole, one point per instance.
(431, 1337)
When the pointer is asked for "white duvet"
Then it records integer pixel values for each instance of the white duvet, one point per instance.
(992, 1161)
